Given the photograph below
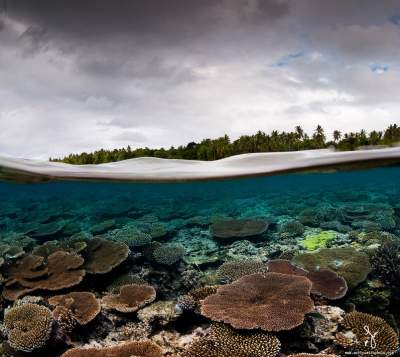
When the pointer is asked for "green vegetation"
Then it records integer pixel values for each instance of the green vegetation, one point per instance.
(214, 149)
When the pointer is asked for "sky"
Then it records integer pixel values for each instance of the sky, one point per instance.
(83, 75)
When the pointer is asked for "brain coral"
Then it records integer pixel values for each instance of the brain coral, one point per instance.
(83, 305)
(28, 326)
(373, 334)
(239, 228)
(352, 265)
(223, 341)
(128, 349)
(130, 298)
(101, 255)
(168, 254)
(270, 301)
(231, 271)
(325, 282)
(59, 271)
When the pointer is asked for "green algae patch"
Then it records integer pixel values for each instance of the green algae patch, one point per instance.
(318, 240)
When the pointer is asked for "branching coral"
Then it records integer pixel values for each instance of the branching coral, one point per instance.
(61, 270)
(270, 301)
(231, 271)
(83, 305)
(352, 265)
(131, 236)
(28, 326)
(240, 228)
(223, 341)
(373, 334)
(128, 349)
(130, 298)
(101, 255)
(386, 265)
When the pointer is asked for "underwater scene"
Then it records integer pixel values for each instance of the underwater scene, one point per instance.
(291, 264)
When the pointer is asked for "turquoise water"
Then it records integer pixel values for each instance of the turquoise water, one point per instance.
(175, 243)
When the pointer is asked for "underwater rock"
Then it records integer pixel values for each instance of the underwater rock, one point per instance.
(269, 301)
(101, 255)
(325, 328)
(231, 271)
(127, 349)
(83, 305)
(59, 271)
(352, 265)
(28, 327)
(224, 341)
(130, 298)
(237, 229)
(372, 333)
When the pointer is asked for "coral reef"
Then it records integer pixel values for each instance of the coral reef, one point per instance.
(28, 327)
(130, 298)
(270, 301)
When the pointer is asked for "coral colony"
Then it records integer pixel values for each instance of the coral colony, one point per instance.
(297, 264)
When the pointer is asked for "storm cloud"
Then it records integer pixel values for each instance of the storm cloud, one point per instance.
(89, 74)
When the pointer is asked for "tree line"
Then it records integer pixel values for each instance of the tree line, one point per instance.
(214, 149)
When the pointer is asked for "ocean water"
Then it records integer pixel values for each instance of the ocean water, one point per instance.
(179, 235)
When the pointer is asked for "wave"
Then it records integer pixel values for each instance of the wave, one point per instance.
(147, 169)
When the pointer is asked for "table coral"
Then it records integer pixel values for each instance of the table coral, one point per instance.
(83, 305)
(59, 271)
(130, 298)
(270, 301)
(101, 255)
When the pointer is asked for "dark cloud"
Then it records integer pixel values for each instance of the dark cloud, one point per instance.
(77, 75)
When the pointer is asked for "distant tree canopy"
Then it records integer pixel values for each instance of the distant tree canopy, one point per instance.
(214, 149)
